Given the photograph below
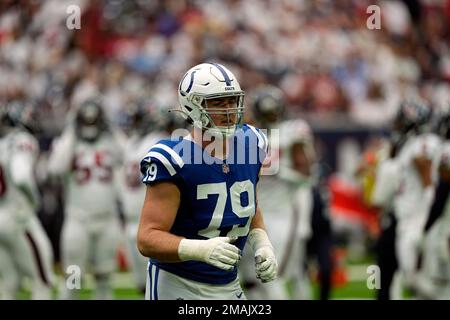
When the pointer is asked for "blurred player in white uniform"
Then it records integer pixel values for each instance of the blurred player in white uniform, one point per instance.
(87, 156)
(142, 136)
(386, 187)
(299, 165)
(417, 160)
(25, 250)
(284, 200)
(268, 107)
(433, 281)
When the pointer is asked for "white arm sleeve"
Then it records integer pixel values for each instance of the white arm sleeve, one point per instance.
(387, 183)
(62, 154)
(23, 176)
(22, 167)
(303, 203)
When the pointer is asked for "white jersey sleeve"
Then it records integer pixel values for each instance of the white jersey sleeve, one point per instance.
(413, 198)
(387, 183)
(303, 202)
(425, 145)
(24, 153)
(62, 154)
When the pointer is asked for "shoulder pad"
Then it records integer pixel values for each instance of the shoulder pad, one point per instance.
(263, 142)
(166, 160)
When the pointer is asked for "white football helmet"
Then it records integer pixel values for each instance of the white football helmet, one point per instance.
(293, 132)
(90, 121)
(208, 81)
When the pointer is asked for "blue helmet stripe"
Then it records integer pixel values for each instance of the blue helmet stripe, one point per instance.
(181, 82)
(191, 82)
(224, 73)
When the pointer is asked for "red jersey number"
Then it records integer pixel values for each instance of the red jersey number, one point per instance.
(101, 170)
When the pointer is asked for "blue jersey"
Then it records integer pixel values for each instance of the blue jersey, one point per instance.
(217, 197)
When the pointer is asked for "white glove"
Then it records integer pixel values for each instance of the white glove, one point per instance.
(216, 251)
(266, 264)
(265, 261)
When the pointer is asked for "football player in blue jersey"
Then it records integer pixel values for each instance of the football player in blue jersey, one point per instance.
(199, 212)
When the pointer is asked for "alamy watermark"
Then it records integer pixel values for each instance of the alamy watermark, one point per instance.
(73, 20)
(374, 279)
(374, 20)
(73, 277)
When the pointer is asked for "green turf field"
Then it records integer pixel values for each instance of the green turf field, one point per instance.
(355, 288)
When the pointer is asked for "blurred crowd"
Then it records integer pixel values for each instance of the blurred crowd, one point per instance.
(319, 52)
